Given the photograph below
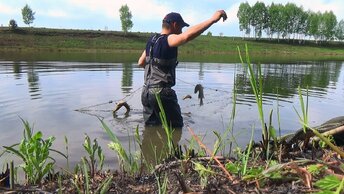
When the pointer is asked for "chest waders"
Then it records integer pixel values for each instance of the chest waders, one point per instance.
(160, 77)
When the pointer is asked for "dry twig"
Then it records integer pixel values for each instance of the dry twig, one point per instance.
(211, 154)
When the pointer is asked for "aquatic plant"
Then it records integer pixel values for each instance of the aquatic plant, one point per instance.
(208, 151)
(162, 185)
(243, 157)
(203, 172)
(246, 155)
(257, 88)
(67, 151)
(167, 127)
(304, 108)
(35, 153)
(304, 121)
(92, 150)
(128, 161)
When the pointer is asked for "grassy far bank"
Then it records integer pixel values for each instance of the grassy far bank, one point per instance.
(204, 48)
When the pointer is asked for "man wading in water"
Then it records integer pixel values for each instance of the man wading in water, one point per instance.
(159, 60)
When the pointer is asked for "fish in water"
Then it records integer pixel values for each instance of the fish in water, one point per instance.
(120, 104)
(199, 89)
(187, 97)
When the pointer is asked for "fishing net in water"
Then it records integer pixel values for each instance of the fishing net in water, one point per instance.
(195, 100)
(121, 113)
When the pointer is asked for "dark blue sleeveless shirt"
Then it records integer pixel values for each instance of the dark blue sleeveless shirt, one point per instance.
(161, 62)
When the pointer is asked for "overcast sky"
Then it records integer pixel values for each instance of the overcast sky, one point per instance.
(147, 14)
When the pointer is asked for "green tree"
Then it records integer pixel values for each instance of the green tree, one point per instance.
(298, 21)
(209, 34)
(288, 19)
(313, 24)
(302, 22)
(28, 15)
(275, 17)
(244, 16)
(329, 23)
(258, 18)
(12, 24)
(125, 16)
(339, 32)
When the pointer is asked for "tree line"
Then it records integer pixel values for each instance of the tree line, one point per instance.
(288, 22)
(29, 16)
(276, 20)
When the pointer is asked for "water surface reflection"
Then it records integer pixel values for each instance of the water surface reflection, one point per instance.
(48, 93)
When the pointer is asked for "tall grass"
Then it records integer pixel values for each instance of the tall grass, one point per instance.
(304, 122)
(257, 88)
(172, 149)
(304, 109)
(128, 161)
(167, 126)
(162, 185)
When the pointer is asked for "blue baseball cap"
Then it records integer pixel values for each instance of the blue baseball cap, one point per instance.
(175, 17)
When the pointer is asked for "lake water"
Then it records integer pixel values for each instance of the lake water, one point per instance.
(67, 98)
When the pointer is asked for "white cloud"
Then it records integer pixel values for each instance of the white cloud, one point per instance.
(232, 14)
(322, 5)
(100, 6)
(4, 9)
(148, 9)
(142, 9)
(55, 13)
(192, 17)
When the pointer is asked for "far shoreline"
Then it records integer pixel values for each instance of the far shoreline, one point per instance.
(31, 43)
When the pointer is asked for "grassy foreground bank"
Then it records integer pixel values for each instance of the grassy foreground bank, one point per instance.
(203, 48)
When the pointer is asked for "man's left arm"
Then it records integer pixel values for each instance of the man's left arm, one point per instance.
(142, 59)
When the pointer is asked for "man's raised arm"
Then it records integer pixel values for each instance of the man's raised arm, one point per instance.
(175, 40)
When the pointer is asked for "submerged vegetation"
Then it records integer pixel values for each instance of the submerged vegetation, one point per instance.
(311, 163)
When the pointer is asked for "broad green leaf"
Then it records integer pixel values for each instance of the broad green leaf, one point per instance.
(329, 182)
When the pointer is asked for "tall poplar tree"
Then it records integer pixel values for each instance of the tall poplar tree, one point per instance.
(28, 15)
(125, 16)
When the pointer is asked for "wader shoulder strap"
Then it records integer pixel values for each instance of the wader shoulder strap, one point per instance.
(153, 41)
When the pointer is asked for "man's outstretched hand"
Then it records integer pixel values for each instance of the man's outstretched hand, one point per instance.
(219, 14)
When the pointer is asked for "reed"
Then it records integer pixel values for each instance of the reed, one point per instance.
(128, 161)
(257, 88)
(167, 127)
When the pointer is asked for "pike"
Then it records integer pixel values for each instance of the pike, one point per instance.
(199, 89)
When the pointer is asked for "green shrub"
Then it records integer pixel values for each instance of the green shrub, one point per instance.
(12, 25)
